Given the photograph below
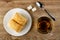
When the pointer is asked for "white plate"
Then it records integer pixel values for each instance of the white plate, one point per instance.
(9, 15)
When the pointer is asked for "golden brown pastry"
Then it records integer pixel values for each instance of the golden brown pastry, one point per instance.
(18, 22)
(20, 19)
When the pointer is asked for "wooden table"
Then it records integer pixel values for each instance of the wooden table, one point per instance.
(53, 6)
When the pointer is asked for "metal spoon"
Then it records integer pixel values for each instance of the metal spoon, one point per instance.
(40, 5)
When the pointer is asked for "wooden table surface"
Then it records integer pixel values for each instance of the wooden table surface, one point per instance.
(53, 6)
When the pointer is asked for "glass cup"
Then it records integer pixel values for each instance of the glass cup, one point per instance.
(45, 25)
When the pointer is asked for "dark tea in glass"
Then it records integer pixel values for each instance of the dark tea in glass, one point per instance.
(44, 25)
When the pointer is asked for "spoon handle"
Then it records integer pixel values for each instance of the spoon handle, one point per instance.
(49, 14)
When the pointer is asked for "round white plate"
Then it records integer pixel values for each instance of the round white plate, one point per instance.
(9, 15)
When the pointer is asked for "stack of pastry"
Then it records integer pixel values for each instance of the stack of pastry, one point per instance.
(17, 22)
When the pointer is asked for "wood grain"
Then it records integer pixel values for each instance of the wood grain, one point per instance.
(53, 6)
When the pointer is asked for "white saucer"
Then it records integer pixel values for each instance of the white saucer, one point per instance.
(9, 15)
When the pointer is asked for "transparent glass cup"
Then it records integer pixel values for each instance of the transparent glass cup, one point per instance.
(45, 27)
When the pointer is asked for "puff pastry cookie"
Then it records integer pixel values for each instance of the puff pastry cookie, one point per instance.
(17, 22)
